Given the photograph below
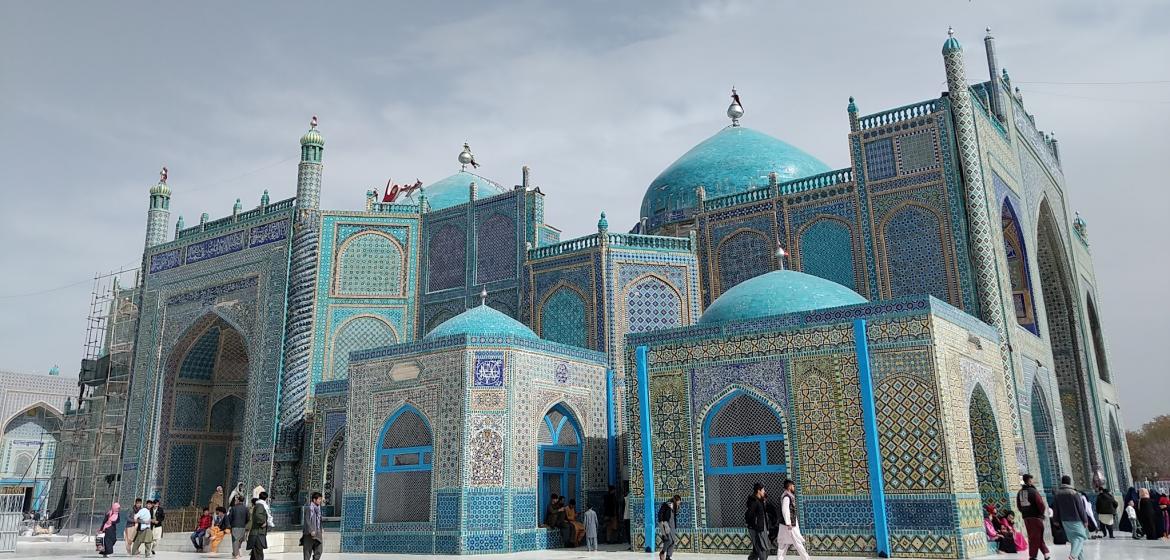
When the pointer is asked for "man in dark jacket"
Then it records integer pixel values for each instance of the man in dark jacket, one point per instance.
(237, 520)
(1069, 507)
(1032, 506)
(1106, 510)
(759, 517)
(668, 526)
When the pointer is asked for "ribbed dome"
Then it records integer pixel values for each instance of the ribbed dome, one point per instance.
(313, 138)
(160, 189)
(452, 191)
(482, 321)
(776, 293)
(735, 159)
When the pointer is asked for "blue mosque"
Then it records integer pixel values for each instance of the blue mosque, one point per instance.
(903, 337)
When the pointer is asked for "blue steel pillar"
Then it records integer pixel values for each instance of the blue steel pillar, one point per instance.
(611, 431)
(877, 489)
(648, 500)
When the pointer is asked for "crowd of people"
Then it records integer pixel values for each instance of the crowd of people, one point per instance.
(582, 528)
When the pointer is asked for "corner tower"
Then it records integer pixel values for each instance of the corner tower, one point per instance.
(979, 221)
(301, 286)
(160, 211)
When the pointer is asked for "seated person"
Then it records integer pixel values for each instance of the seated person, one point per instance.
(201, 530)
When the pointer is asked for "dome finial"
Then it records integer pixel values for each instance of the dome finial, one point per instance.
(313, 122)
(602, 224)
(483, 296)
(988, 29)
(735, 110)
(781, 254)
(950, 31)
(467, 158)
(162, 175)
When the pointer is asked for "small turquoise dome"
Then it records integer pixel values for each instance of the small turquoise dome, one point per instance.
(952, 44)
(735, 159)
(776, 293)
(452, 190)
(482, 321)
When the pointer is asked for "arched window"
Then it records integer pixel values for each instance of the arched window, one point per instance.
(985, 444)
(402, 468)
(826, 250)
(359, 333)
(370, 264)
(745, 254)
(558, 455)
(743, 443)
(652, 304)
(1045, 439)
(227, 414)
(1017, 264)
(562, 318)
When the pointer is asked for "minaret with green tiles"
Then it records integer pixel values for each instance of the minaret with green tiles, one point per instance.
(159, 213)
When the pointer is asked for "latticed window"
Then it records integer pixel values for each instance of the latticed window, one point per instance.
(402, 468)
(559, 456)
(370, 264)
(743, 443)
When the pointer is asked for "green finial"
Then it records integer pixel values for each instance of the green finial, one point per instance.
(264, 198)
(54, 370)
(179, 224)
(602, 224)
(203, 218)
(237, 207)
(852, 105)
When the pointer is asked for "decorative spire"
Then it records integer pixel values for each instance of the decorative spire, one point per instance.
(313, 122)
(735, 110)
(483, 296)
(852, 105)
(161, 188)
(951, 44)
(162, 175)
(467, 158)
(264, 198)
(237, 207)
(312, 138)
(602, 224)
(988, 36)
(179, 225)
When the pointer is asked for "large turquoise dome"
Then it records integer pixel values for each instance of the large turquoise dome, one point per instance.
(482, 321)
(735, 159)
(776, 293)
(452, 191)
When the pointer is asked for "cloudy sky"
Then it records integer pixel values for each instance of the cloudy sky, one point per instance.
(597, 97)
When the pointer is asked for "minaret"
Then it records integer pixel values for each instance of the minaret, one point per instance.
(979, 220)
(995, 92)
(302, 284)
(160, 211)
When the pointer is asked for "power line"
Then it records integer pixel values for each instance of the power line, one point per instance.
(1091, 98)
(59, 288)
(1135, 83)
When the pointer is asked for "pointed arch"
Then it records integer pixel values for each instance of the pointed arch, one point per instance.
(1117, 446)
(652, 303)
(1098, 339)
(1043, 431)
(370, 263)
(403, 463)
(559, 449)
(333, 485)
(1060, 321)
(563, 315)
(987, 448)
(825, 248)
(744, 442)
(1016, 253)
(360, 332)
(742, 255)
(916, 260)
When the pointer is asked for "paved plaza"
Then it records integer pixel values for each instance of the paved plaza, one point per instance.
(1104, 549)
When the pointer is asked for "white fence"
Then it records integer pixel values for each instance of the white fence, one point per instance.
(10, 517)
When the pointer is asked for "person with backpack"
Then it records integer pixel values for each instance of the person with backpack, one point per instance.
(668, 526)
(1033, 509)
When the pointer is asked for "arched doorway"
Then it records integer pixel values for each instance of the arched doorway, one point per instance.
(988, 451)
(27, 451)
(743, 443)
(558, 455)
(1098, 340)
(1017, 264)
(1059, 310)
(203, 412)
(334, 487)
(1045, 440)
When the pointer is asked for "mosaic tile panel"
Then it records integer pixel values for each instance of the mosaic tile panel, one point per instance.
(486, 452)
(879, 159)
(488, 370)
(918, 152)
(370, 264)
(910, 435)
(359, 333)
(743, 255)
(913, 247)
(199, 363)
(495, 257)
(827, 405)
(672, 435)
(563, 318)
(826, 250)
(652, 304)
(268, 233)
(190, 412)
(446, 258)
(181, 462)
(215, 247)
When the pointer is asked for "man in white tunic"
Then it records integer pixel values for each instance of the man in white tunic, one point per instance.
(789, 529)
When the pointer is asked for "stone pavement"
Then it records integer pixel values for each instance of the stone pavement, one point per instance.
(1103, 549)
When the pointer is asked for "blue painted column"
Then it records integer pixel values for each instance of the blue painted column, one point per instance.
(877, 488)
(648, 501)
(611, 431)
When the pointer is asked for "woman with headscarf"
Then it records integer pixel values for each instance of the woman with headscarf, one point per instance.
(110, 529)
(1147, 511)
(238, 492)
